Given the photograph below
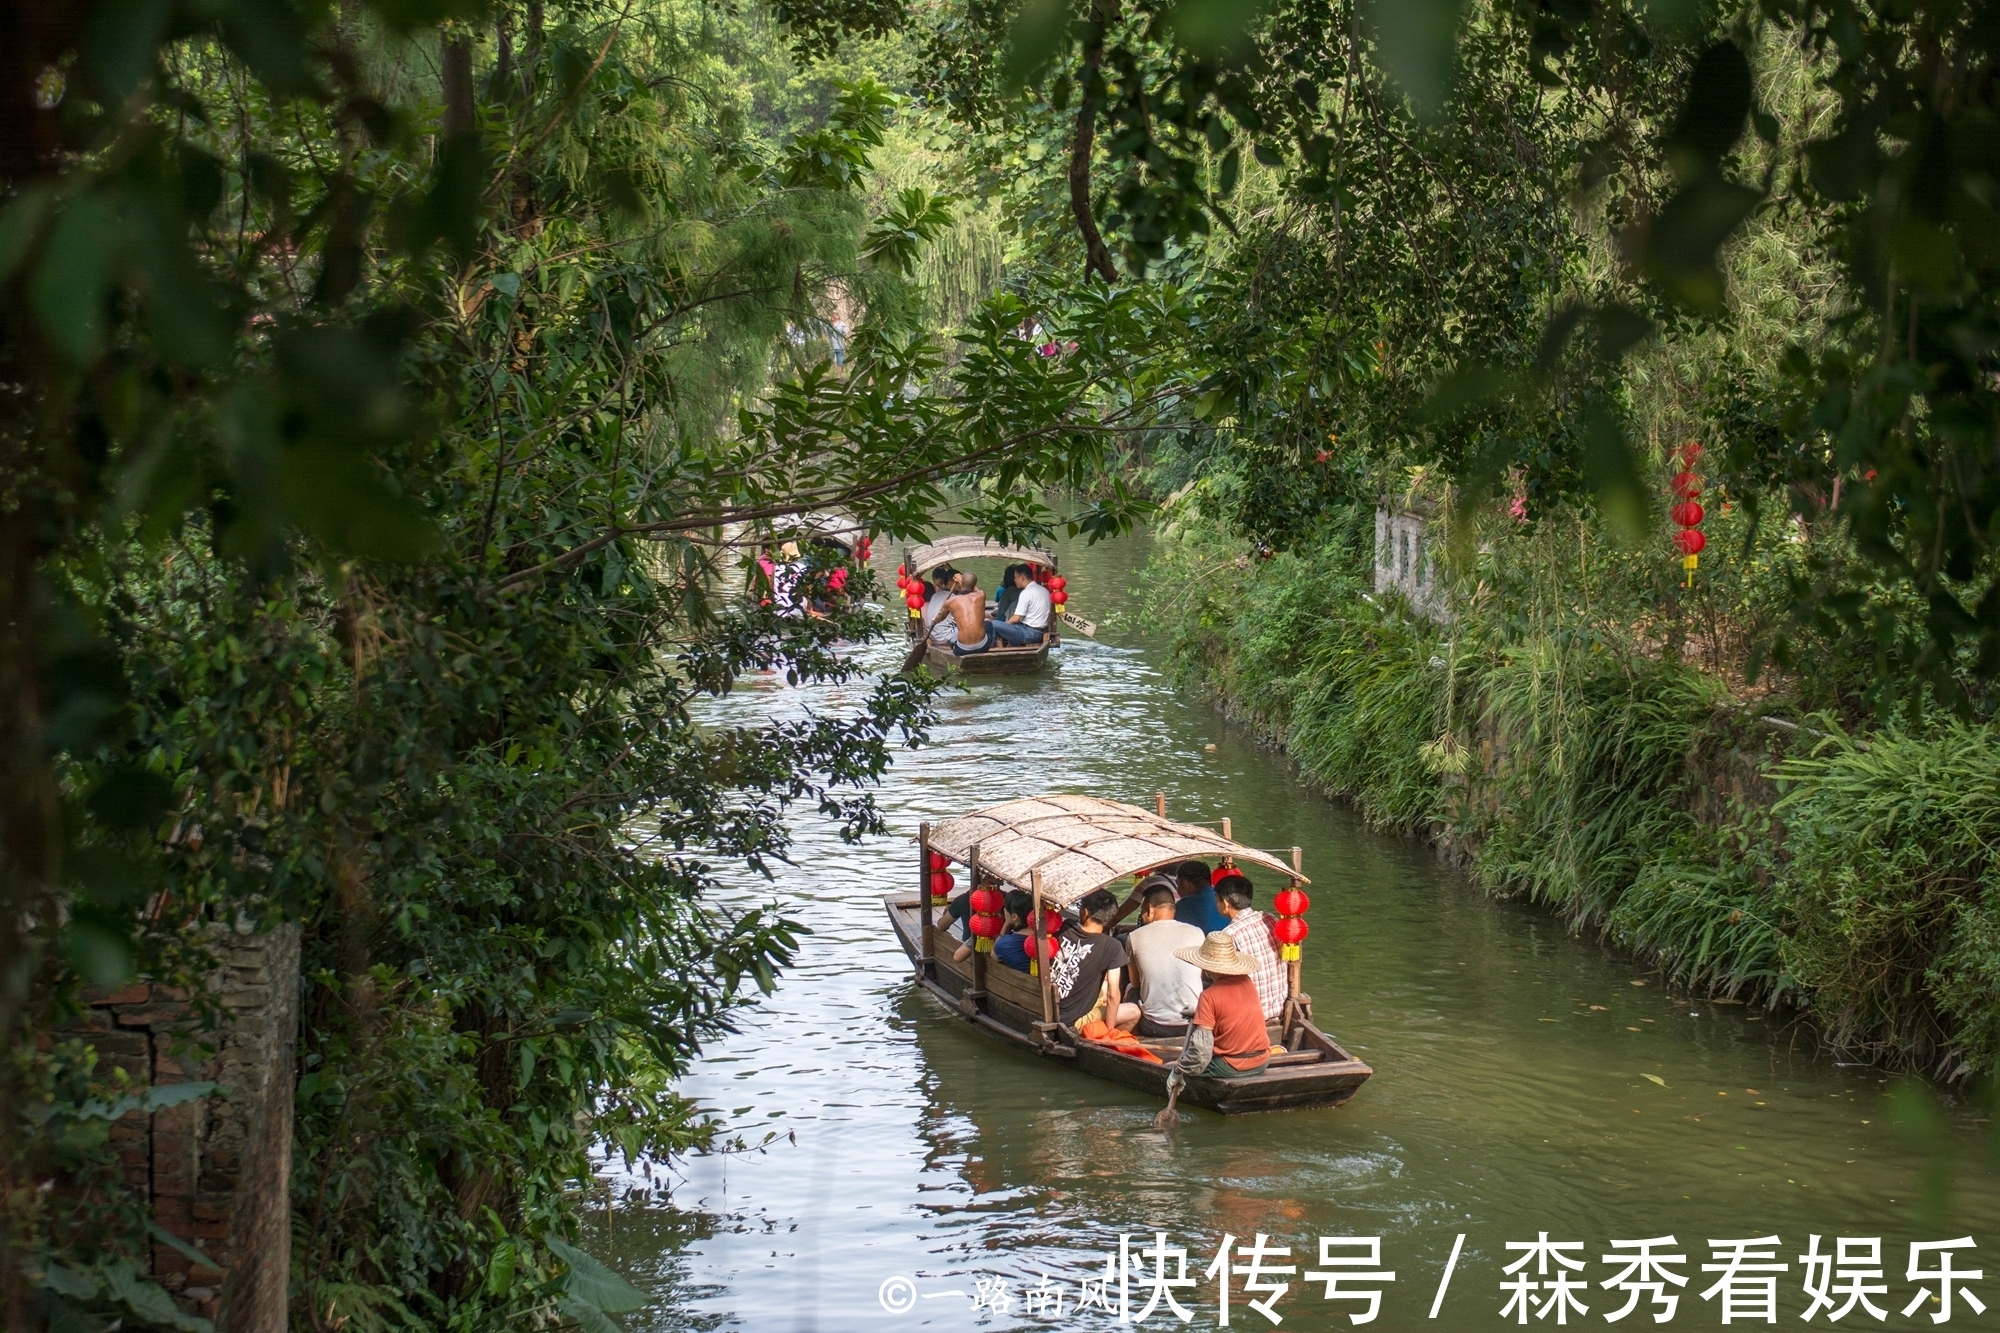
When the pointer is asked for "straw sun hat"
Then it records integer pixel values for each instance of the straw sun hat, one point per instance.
(1217, 954)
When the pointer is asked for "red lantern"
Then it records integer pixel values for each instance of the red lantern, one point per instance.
(1688, 513)
(985, 929)
(1058, 583)
(987, 901)
(1690, 541)
(1290, 902)
(941, 884)
(1291, 932)
(1059, 598)
(1052, 922)
(939, 861)
(1686, 485)
(1048, 948)
(914, 600)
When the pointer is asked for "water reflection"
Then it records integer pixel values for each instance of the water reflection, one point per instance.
(1527, 1081)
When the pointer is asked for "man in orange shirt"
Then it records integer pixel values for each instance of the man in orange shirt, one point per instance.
(1226, 1037)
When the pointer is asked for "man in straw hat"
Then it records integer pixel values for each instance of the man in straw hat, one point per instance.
(1226, 1037)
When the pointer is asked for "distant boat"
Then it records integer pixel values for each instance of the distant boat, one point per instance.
(1060, 848)
(999, 660)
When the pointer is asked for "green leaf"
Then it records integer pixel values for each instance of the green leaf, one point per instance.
(592, 1319)
(271, 38)
(1039, 31)
(185, 1248)
(335, 494)
(590, 1281)
(130, 798)
(70, 285)
(1622, 497)
(70, 1282)
(99, 951)
(1468, 388)
(1718, 101)
(66, 1318)
(122, 42)
(1214, 29)
(21, 222)
(1416, 42)
(149, 1299)
(500, 1269)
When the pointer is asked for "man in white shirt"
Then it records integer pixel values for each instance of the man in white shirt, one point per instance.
(1029, 624)
(1169, 986)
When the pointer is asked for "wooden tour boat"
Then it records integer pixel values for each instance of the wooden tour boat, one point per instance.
(1060, 848)
(999, 660)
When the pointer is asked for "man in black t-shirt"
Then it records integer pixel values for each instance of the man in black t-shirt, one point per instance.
(1088, 967)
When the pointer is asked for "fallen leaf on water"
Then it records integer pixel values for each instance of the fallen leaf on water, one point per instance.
(1596, 1008)
(1655, 1078)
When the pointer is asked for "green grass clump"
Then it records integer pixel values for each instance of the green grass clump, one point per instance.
(1891, 885)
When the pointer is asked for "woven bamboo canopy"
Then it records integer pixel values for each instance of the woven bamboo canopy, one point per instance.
(1080, 843)
(972, 546)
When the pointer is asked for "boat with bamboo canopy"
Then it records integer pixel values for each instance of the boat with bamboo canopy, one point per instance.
(999, 660)
(1060, 848)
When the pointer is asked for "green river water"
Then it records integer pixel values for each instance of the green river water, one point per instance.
(1525, 1082)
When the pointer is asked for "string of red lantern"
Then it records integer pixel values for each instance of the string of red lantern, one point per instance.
(941, 880)
(987, 923)
(1051, 926)
(1687, 513)
(1290, 928)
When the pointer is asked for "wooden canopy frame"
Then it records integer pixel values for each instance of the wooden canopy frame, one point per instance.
(1066, 846)
(971, 546)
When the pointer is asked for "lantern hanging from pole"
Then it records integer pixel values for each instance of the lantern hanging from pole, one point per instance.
(986, 924)
(1048, 950)
(1687, 513)
(1290, 929)
(941, 880)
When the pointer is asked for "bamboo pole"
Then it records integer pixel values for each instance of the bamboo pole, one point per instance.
(1160, 804)
(978, 993)
(924, 964)
(1292, 967)
(1229, 861)
(1042, 954)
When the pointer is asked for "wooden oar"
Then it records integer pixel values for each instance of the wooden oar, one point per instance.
(915, 656)
(1170, 1118)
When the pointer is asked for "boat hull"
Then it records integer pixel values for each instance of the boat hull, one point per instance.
(992, 662)
(1313, 1071)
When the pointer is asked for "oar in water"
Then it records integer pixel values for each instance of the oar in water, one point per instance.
(916, 655)
(1170, 1118)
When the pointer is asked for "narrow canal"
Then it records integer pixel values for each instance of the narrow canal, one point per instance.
(1526, 1081)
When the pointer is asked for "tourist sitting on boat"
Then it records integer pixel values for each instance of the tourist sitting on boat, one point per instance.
(1255, 941)
(1010, 591)
(1226, 1037)
(1012, 946)
(1027, 623)
(1008, 947)
(936, 625)
(967, 609)
(1088, 967)
(1197, 906)
(1168, 986)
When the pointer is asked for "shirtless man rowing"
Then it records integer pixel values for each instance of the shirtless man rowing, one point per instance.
(967, 609)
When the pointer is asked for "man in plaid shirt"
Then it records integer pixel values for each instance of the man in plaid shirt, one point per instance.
(1251, 930)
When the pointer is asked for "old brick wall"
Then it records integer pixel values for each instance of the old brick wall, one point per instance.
(216, 1169)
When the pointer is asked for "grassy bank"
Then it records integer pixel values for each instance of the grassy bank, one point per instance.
(1592, 759)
